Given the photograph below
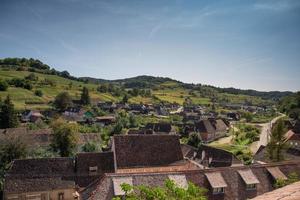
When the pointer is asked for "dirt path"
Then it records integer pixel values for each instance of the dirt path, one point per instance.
(264, 135)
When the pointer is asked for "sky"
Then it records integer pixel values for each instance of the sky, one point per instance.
(245, 44)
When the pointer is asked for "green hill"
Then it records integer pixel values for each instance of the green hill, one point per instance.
(51, 82)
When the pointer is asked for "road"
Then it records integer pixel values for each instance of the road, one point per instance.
(264, 135)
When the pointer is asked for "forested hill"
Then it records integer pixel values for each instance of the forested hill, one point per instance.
(163, 88)
(152, 83)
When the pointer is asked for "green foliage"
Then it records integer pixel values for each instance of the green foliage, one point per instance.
(3, 85)
(133, 123)
(125, 99)
(85, 97)
(90, 147)
(245, 133)
(62, 101)
(277, 142)
(167, 192)
(8, 117)
(11, 148)
(292, 178)
(38, 93)
(291, 105)
(194, 140)
(248, 116)
(37, 125)
(65, 138)
(89, 128)
(21, 83)
(32, 77)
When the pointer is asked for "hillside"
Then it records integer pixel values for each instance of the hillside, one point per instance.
(51, 82)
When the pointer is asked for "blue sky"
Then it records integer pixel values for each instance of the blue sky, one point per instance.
(238, 43)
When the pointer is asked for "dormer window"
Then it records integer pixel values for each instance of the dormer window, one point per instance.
(219, 190)
(93, 169)
(216, 182)
(249, 179)
(251, 187)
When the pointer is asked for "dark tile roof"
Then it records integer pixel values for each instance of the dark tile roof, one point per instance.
(159, 127)
(204, 126)
(296, 127)
(146, 150)
(104, 162)
(17, 185)
(42, 167)
(235, 185)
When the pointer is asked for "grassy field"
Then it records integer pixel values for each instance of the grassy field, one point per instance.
(25, 99)
(169, 91)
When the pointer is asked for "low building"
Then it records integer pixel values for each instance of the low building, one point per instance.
(210, 157)
(226, 183)
(105, 120)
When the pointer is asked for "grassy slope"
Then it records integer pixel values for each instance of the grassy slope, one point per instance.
(168, 91)
(22, 97)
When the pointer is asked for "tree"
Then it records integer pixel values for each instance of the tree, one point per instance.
(125, 99)
(194, 140)
(38, 93)
(3, 85)
(277, 141)
(85, 97)
(90, 147)
(65, 138)
(62, 101)
(248, 116)
(132, 121)
(12, 147)
(117, 129)
(169, 191)
(32, 77)
(8, 117)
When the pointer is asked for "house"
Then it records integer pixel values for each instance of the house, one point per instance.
(41, 137)
(234, 116)
(40, 179)
(160, 128)
(225, 183)
(210, 157)
(90, 166)
(191, 116)
(31, 116)
(211, 129)
(289, 192)
(78, 114)
(56, 178)
(137, 160)
(138, 109)
(146, 151)
(107, 106)
(105, 120)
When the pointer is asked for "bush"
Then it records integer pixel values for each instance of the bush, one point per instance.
(90, 147)
(38, 93)
(3, 85)
(31, 77)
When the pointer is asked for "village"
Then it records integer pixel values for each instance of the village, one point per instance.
(149, 100)
(184, 143)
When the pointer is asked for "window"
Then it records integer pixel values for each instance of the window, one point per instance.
(14, 197)
(218, 190)
(251, 186)
(34, 196)
(93, 169)
(61, 196)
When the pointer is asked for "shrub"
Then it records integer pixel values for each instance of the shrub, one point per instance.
(38, 93)
(3, 85)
